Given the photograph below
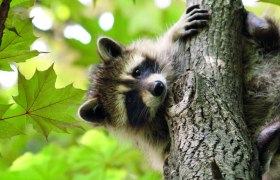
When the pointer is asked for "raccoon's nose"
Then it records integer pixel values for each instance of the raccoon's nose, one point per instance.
(158, 88)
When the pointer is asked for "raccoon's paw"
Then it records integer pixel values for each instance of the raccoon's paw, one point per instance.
(265, 32)
(268, 143)
(191, 22)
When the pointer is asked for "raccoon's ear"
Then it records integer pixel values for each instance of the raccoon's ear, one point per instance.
(92, 111)
(109, 49)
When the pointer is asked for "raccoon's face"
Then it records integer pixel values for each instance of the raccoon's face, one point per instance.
(128, 87)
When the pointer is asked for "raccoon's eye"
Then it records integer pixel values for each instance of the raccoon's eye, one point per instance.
(136, 73)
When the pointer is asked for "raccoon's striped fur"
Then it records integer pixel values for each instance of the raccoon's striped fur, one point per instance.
(129, 88)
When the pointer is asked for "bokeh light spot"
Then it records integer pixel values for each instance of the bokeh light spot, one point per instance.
(162, 4)
(40, 19)
(106, 21)
(77, 32)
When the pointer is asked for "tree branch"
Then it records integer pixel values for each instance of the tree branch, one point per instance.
(4, 10)
(209, 138)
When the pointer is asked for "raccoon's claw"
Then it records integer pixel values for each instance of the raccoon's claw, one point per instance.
(198, 15)
(194, 26)
(189, 9)
(196, 18)
(191, 22)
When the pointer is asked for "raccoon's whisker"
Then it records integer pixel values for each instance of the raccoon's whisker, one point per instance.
(144, 112)
(165, 68)
(156, 68)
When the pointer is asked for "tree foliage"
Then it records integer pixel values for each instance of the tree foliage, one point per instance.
(94, 157)
(277, 2)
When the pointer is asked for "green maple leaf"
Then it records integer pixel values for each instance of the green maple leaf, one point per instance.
(7, 129)
(277, 2)
(3, 109)
(45, 107)
(17, 39)
(22, 3)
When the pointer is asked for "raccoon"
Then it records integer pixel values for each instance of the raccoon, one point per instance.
(130, 87)
(262, 90)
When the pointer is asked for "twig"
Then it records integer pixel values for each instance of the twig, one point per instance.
(4, 9)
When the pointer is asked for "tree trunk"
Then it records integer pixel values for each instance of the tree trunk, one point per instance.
(210, 139)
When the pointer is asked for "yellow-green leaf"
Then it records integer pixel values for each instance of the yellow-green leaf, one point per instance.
(44, 106)
(3, 109)
(16, 43)
(7, 129)
(277, 2)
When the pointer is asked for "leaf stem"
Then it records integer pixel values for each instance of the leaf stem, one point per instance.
(2, 119)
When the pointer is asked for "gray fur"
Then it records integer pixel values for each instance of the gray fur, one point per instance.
(262, 90)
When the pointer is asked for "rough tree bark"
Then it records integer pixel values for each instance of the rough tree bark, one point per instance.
(209, 136)
(4, 10)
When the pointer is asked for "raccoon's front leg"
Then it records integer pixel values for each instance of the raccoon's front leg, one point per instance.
(265, 32)
(268, 144)
(190, 23)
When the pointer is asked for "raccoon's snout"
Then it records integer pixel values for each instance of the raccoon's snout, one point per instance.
(158, 88)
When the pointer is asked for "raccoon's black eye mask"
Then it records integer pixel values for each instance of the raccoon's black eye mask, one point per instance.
(137, 112)
(147, 67)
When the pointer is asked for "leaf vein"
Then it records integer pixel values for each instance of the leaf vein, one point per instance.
(40, 90)
(11, 42)
(49, 105)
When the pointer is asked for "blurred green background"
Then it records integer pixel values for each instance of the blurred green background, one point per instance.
(67, 31)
